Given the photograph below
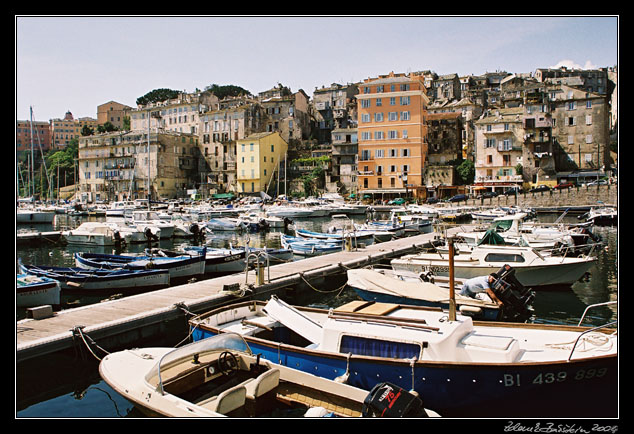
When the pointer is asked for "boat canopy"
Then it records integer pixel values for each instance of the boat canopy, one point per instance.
(491, 237)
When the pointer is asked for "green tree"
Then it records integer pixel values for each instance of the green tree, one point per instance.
(106, 127)
(226, 90)
(157, 95)
(466, 172)
(87, 131)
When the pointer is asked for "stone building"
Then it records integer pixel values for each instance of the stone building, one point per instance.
(113, 112)
(117, 166)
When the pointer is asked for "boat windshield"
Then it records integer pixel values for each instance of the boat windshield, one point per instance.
(219, 343)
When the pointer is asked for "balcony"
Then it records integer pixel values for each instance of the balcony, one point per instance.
(366, 172)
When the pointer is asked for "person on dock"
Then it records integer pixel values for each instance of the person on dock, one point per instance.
(477, 285)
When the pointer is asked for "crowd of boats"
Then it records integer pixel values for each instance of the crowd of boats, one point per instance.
(412, 345)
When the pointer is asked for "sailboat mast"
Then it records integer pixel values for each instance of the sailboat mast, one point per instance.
(32, 184)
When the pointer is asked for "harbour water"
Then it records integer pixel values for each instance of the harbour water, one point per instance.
(85, 395)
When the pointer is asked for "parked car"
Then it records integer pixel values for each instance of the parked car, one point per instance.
(397, 201)
(458, 198)
(599, 182)
(563, 185)
(488, 194)
(513, 190)
(539, 188)
(431, 200)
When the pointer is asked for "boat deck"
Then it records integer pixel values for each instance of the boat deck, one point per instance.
(142, 314)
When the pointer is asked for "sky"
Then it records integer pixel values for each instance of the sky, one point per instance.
(75, 63)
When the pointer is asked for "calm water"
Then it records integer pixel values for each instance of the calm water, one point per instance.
(85, 395)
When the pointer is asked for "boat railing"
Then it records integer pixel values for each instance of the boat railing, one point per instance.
(592, 306)
(585, 333)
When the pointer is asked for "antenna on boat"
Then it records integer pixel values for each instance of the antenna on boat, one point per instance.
(452, 292)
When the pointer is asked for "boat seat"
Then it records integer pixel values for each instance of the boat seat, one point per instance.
(227, 401)
(265, 382)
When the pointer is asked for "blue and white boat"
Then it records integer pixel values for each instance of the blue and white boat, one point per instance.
(75, 278)
(471, 369)
(34, 291)
(310, 246)
(182, 267)
(225, 261)
(361, 236)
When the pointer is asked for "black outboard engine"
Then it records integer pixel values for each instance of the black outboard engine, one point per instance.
(517, 299)
(389, 400)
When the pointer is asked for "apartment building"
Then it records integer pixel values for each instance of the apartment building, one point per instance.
(580, 128)
(41, 135)
(66, 129)
(334, 108)
(345, 153)
(499, 148)
(258, 158)
(113, 112)
(220, 129)
(392, 132)
(118, 166)
(286, 112)
(180, 114)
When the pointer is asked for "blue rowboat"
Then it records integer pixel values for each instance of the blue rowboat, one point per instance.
(466, 368)
(182, 267)
(366, 237)
(34, 291)
(75, 278)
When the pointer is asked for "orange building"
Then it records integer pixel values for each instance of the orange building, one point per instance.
(392, 135)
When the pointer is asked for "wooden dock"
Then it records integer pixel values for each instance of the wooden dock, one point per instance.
(141, 315)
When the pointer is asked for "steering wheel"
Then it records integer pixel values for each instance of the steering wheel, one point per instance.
(227, 363)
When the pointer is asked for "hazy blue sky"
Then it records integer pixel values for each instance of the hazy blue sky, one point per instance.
(77, 63)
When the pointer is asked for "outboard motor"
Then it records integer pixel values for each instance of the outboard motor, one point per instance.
(517, 299)
(389, 400)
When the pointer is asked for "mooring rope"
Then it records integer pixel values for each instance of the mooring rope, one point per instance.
(79, 330)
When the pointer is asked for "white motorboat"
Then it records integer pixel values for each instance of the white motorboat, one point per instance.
(119, 208)
(221, 377)
(93, 234)
(603, 215)
(289, 211)
(461, 368)
(144, 219)
(131, 233)
(225, 224)
(532, 268)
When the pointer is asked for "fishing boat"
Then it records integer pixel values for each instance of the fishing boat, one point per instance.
(384, 287)
(75, 278)
(337, 235)
(217, 260)
(93, 234)
(221, 377)
(273, 255)
(181, 268)
(532, 269)
(144, 219)
(471, 369)
(310, 247)
(34, 291)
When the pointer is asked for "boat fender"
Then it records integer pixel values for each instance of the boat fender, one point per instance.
(194, 229)
(470, 310)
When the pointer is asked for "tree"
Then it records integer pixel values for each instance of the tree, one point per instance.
(106, 127)
(466, 172)
(226, 90)
(87, 131)
(157, 95)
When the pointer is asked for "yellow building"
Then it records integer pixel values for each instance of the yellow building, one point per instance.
(257, 160)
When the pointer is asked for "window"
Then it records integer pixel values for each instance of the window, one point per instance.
(378, 117)
(379, 153)
(272, 148)
(405, 116)
(588, 119)
(405, 100)
(392, 134)
(365, 103)
(379, 135)
(405, 152)
(504, 257)
(392, 116)
(379, 103)
(365, 117)
(392, 100)
(379, 348)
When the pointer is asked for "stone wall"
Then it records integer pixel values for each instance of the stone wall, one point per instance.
(576, 196)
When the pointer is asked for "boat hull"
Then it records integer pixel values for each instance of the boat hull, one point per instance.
(579, 388)
(30, 294)
(560, 274)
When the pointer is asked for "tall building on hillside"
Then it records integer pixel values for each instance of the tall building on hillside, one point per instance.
(258, 158)
(112, 112)
(392, 135)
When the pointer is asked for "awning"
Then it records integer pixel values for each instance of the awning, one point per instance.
(223, 195)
